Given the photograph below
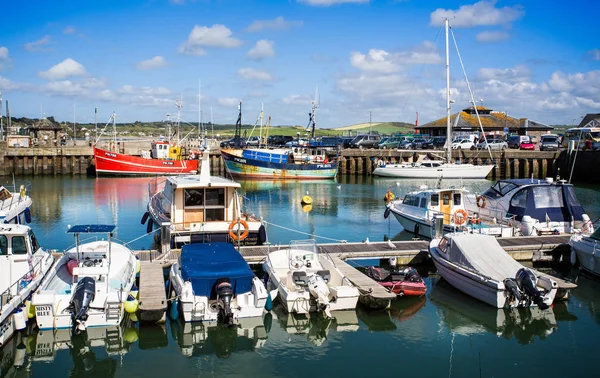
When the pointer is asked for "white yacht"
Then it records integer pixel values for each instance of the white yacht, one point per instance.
(14, 206)
(23, 265)
(416, 211)
(585, 249)
(534, 206)
(478, 266)
(200, 208)
(213, 283)
(309, 281)
(88, 285)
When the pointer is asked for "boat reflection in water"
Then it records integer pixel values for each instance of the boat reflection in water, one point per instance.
(464, 315)
(401, 310)
(314, 325)
(200, 339)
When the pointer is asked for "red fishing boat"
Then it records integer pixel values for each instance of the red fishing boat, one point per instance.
(164, 158)
(400, 282)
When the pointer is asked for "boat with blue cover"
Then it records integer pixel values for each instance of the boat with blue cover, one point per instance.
(213, 283)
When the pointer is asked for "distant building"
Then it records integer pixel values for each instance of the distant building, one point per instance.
(590, 120)
(493, 122)
(45, 130)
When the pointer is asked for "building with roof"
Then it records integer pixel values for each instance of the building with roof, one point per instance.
(493, 122)
(590, 120)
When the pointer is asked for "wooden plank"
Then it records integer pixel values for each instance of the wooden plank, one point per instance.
(365, 285)
(152, 294)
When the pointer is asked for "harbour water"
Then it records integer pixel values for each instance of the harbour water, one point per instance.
(445, 334)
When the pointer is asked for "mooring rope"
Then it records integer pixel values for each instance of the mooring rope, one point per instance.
(305, 233)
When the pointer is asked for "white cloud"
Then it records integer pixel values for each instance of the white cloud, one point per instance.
(66, 68)
(483, 13)
(86, 87)
(253, 74)
(38, 45)
(594, 54)
(7, 84)
(69, 30)
(155, 62)
(146, 91)
(279, 23)
(492, 36)
(262, 49)
(297, 99)
(516, 74)
(3, 53)
(214, 36)
(376, 60)
(228, 101)
(328, 3)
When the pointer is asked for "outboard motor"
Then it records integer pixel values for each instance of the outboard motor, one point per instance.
(511, 287)
(527, 283)
(85, 292)
(411, 275)
(224, 296)
(318, 288)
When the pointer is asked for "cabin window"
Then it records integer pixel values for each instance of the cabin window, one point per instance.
(519, 199)
(457, 199)
(423, 203)
(446, 199)
(435, 200)
(194, 197)
(3, 246)
(35, 245)
(211, 200)
(215, 197)
(18, 245)
(547, 197)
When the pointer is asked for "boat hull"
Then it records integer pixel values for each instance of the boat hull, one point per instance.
(449, 171)
(113, 163)
(241, 167)
(588, 253)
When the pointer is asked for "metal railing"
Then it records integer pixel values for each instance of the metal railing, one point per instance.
(7, 295)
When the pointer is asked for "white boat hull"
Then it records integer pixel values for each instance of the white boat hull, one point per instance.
(447, 171)
(587, 251)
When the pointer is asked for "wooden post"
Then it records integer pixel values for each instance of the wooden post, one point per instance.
(516, 169)
(536, 168)
(506, 168)
(360, 166)
(526, 168)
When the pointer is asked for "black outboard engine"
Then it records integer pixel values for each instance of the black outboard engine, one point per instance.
(411, 275)
(527, 283)
(224, 296)
(511, 287)
(85, 292)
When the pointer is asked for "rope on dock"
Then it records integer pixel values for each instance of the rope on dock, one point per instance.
(306, 233)
(138, 238)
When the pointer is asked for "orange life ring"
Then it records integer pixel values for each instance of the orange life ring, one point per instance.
(244, 234)
(480, 201)
(460, 216)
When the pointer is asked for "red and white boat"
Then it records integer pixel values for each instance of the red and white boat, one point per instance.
(164, 158)
(114, 163)
(400, 282)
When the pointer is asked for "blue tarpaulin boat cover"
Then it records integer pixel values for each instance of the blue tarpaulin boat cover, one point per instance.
(204, 264)
(265, 155)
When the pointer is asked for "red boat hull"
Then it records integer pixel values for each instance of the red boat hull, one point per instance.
(112, 163)
(405, 288)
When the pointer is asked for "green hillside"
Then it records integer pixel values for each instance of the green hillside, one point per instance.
(378, 127)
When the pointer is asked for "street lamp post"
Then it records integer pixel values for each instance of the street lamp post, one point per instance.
(370, 132)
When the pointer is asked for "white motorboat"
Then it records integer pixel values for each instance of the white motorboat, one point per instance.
(309, 281)
(585, 249)
(23, 265)
(534, 206)
(435, 169)
(417, 210)
(14, 206)
(198, 209)
(88, 285)
(213, 283)
(478, 266)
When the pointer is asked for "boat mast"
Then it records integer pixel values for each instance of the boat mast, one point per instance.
(238, 128)
(448, 126)
(179, 105)
(114, 117)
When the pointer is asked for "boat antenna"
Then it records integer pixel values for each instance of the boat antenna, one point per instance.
(238, 127)
(312, 116)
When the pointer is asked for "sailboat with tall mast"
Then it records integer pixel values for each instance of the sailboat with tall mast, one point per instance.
(166, 157)
(435, 168)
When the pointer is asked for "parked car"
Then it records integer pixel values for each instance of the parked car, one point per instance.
(383, 140)
(346, 141)
(390, 143)
(494, 143)
(439, 141)
(428, 144)
(418, 143)
(514, 141)
(297, 142)
(406, 144)
(326, 141)
(231, 143)
(278, 140)
(365, 141)
(253, 141)
(527, 144)
(549, 142)
(463, 144)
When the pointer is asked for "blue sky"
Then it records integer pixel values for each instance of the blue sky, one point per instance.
(532, 59)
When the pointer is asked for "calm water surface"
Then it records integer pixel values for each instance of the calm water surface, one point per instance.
(446, 334)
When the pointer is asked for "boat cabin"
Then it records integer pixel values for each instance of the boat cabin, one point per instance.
(427, 203)
(163, 150)
(17, 246)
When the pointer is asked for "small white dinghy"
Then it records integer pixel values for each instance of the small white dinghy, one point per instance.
(23, 265)
(478, 266)
(89, 285)
(308, 281)
(214, 283)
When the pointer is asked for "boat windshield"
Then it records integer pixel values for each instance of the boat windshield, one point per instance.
(500, 189)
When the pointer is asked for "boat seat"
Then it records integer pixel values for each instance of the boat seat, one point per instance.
(326, 274)
(300, 278)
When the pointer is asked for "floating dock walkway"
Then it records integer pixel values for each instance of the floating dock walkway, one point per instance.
(152, 295)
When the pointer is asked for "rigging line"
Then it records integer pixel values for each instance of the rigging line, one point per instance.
(138, 238)
(306, 233)
(575, 158)
(470, 92)
(422, 66)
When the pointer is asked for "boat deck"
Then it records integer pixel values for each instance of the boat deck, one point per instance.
(152, 295)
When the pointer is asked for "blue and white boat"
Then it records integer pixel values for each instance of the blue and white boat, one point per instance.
(213, 283)
(14, 206)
